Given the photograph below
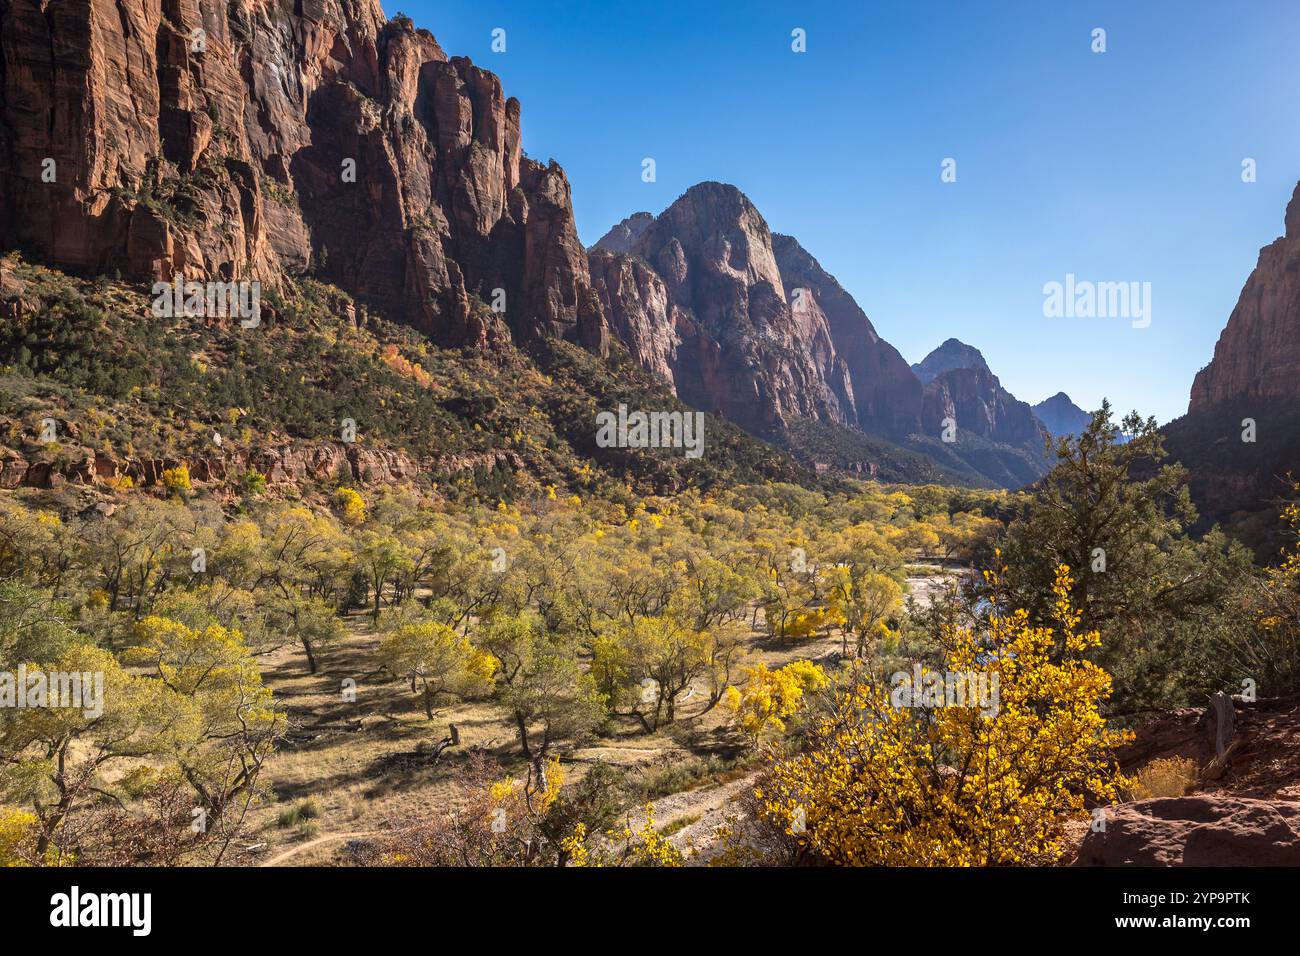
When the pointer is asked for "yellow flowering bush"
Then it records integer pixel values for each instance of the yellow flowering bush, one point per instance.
(951, 785)
(646, 846)
(177, 479)
(16, 828)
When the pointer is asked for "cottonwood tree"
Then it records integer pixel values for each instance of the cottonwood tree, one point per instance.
(866, 600)
(35, 545)
(191, 718)
(131, 554)
(768, 698)
(381, 557)
(54, 759)
(312, 622)
(437, 661)
(647, 665)
(541, 683)
(223, 725)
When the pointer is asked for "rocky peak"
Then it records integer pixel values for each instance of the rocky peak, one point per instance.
(708, 273)
(721, 234)
(1258, 353)
(950, 355)
(974, 399)
(962, 388)
(1061, 417)
(621, 237)
(745, 322)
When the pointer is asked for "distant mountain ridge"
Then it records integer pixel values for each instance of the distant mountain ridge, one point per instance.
(745, 322)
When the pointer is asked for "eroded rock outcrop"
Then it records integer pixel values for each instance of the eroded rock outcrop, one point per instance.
(1200, 830)
(637, 307)
(1258, 353)
(886, 396)
(246, 139)
(286, 464)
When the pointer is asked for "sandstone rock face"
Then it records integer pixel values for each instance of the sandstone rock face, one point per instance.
(635, 303)
(1254, 375)
(1200, 830)
(246, 139)
(742, 352)
(292, 464)
(1061, 417)
(1258, 353)
(11, 294)
(747, 323)
(885, 392)
(971, 395)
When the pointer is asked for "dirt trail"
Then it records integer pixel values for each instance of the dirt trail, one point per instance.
(709, 805)
(294, 851)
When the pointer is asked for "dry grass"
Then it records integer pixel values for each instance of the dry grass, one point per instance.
(1166, 777)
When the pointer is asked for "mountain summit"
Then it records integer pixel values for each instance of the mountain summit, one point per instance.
(747, 323)
(984, 424)
(1061, 416)
(948, 356)
(621, 237)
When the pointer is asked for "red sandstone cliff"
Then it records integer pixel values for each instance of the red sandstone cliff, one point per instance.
(1258, 353)
(215, 139)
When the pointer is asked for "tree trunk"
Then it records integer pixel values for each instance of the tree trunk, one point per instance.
(523, 735)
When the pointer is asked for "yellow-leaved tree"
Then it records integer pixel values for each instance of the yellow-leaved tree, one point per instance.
(770, 697)
(955, 785)
(437, 661)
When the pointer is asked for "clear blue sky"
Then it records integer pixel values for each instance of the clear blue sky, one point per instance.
(1121, 166)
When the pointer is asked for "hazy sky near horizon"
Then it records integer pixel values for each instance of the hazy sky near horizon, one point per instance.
(1122, 166)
